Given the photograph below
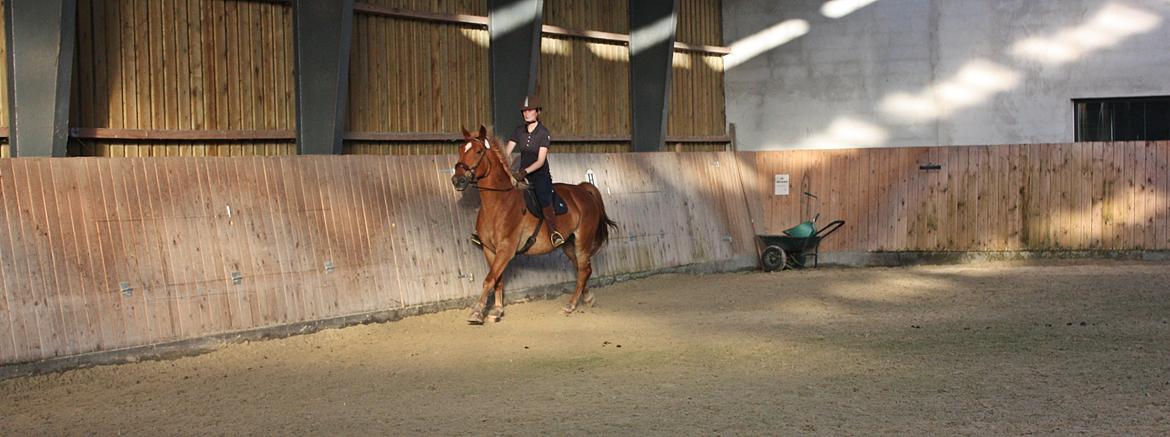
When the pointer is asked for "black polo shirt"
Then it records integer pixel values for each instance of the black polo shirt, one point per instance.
(529, 145)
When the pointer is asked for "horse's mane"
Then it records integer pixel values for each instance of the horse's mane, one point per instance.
(495, 148)
(505, 160)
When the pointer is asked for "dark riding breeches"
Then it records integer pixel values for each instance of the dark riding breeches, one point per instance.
(543, 187)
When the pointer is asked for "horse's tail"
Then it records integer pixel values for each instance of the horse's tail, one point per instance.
(602, 234)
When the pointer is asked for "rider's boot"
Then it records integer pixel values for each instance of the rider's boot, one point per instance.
(550, 217)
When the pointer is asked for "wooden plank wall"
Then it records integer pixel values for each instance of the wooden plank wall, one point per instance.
(585, 84)
(697, 106)
(5, 151)
(591, 78)
(183, 65)
(409, 75)
(98, 254)
(1048, 197)
(210, 66)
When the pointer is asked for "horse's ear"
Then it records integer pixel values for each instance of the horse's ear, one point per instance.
(482, 132)
(466, 134)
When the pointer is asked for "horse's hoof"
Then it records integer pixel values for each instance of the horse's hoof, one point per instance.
(568, 310)
(476, 317)
(589, 300)
(495, 315)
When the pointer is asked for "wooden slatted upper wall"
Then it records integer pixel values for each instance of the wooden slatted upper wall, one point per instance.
(585, 84)
(223, 65)
(463, 7)
(101, 254)
(697, 105)
(409, 75)
(601, 15)
(700, 22)
(184, 65)
(5, 151)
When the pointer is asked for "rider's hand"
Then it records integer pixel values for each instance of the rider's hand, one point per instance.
(521, 174)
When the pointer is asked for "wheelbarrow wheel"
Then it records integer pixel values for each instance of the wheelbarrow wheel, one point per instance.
(774, 258)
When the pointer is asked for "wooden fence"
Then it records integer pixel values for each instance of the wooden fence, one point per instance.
(1081, 196)
(101, 254)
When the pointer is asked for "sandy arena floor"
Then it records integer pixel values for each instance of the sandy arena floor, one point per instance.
(1058, 348)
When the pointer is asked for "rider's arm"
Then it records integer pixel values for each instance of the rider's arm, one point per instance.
(508, 149)
(539, 160)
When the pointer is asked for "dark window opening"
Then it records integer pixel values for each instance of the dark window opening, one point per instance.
(1123, 119)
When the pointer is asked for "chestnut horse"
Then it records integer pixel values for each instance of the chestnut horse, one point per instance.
(504, 225)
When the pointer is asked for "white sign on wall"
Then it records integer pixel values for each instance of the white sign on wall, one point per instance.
(781, 185)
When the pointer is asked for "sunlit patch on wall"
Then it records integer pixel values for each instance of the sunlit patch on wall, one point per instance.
(713, 62)
(511, 17)
(750, 47)
(477, 36)
(555, 46)
(608, 52)
(973, 84)
(840, 8)
(657, 32)
(846, 132)
(1110, 26)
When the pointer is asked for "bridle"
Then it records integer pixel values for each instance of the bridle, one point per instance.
(475, 178)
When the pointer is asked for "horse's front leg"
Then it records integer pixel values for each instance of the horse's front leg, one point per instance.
(497, 310)
(497, 262)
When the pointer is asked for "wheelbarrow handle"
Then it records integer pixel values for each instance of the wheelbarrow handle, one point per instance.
(830, 228)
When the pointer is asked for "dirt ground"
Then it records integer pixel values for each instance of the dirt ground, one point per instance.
(1005, 348)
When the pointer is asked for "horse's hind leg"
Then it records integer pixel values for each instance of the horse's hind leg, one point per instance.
(580, 259)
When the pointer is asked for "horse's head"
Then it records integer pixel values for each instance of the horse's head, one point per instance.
(473, 163)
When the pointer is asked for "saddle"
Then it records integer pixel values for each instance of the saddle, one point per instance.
(533, 205)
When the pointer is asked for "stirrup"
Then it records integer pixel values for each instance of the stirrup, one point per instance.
(475, 240)
(557, 239)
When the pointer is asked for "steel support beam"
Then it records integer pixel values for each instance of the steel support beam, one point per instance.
(653, 24)
(41, 38)
(322, 30)
(514, 27)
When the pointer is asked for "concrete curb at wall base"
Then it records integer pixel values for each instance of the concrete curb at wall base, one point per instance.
(197, 346)
(893, 259)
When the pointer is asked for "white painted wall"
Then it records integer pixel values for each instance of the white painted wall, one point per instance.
(933, 72)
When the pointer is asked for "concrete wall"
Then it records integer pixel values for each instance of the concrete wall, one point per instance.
(931, 72)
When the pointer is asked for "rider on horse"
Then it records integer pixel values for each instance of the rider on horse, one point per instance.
(533, 138)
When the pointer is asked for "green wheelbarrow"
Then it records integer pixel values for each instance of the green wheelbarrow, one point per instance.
(796, 248)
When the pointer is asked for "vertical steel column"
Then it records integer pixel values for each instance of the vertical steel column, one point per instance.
(41, 38)
(515, 54)
(322, 30)
(653, 24)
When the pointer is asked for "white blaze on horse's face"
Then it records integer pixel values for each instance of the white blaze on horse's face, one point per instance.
(467, 147)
